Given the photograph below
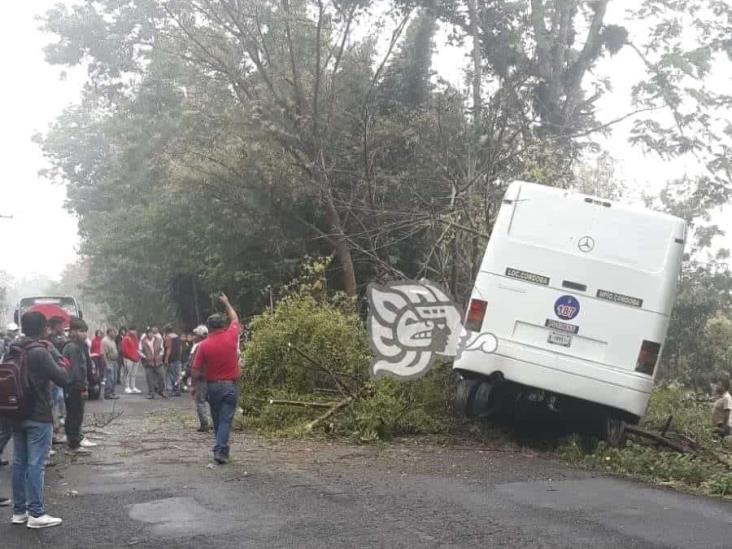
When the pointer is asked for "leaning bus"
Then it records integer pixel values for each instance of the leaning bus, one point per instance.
(578, 291)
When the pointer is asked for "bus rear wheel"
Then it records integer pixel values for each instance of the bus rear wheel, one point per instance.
(465, 396)
(485, 401)
(613, 430)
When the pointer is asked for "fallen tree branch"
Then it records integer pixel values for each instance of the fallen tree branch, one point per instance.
(338, 406)
(345, 390)
(658, 439)
(301, 403)
(332, 410)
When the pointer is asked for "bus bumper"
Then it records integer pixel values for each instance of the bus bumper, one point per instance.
(582, 379)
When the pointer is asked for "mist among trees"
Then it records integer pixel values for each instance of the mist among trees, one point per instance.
(218, 143)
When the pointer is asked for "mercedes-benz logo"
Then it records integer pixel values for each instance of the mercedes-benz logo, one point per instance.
(586, 244)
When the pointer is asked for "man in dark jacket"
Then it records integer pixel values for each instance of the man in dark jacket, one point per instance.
(32, 436)
(77, 353)
(59, 340)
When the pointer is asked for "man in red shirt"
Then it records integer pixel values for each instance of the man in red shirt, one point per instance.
(129, 349)
(217, 362)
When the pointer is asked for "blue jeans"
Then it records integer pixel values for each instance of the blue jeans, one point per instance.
(223, 398)
(31, 443)
(110, 378)
(172, 377)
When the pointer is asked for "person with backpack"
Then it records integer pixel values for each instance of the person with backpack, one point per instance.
(76, 352)
(26, 377)
(172, 360)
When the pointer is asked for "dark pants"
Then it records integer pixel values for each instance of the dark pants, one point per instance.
(155, 377)
(223, 398)
(74, 417)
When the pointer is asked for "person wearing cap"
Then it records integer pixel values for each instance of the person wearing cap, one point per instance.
(199, 392)
(12, 333)
(217, 362)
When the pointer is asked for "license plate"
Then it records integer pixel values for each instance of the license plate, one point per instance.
(556, 338)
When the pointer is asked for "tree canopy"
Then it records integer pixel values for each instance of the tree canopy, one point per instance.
(219, 143)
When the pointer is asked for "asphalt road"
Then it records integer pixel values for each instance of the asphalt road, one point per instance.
(148, 484)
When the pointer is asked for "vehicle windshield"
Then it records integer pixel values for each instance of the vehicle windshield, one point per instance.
(67, 304)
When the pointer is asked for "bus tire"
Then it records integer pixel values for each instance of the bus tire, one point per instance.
(464, 397)
(484, 403)
(613, 430)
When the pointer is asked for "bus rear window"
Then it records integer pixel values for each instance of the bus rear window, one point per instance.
(632, 239)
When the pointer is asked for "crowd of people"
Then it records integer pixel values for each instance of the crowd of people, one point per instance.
(64, 365)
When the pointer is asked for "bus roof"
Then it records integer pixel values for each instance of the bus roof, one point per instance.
(625, 235)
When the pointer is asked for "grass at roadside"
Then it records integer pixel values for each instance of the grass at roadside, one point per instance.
(699, 473)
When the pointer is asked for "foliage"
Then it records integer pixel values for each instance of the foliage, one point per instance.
(396, 408)
(295, 351)
(691, 418)
(289, 345)
(218, 142)
(693, 353)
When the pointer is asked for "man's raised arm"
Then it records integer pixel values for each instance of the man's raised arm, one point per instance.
(230, 312)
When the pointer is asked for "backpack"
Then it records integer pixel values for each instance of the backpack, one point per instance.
(15, 385)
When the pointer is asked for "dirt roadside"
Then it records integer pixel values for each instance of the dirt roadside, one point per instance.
(149, 484)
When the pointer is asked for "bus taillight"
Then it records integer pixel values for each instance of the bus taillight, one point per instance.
(647, 357)
(476, 313)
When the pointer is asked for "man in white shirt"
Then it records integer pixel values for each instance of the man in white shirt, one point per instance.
(722, 410)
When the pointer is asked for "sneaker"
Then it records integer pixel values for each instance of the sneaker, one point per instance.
(44, 521)
(86, 443)
(78, 451)
(136, 391)
(60, 440)
(111, 397)
(4, 462)
(51, 453)
(128, 391)
(20, 519)
(4, 502)
(203, 428)
(220, 459)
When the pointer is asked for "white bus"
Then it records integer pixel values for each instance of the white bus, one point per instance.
(578, 292)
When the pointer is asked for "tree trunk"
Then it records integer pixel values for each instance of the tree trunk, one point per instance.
(341, 245)
(477, 66)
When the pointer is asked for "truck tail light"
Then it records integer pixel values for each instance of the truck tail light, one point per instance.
(648, 357)
(476, 313)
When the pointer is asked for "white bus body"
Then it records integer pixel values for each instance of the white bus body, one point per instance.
(578, 291)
